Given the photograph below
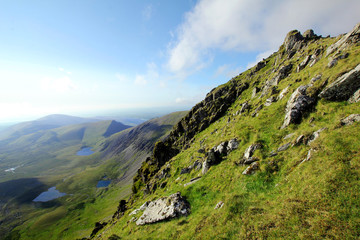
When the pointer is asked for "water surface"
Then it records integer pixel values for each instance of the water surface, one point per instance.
(49, 195)
(103, 183)
(86, 151)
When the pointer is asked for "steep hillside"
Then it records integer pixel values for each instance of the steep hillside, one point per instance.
(117, 159)
(271, 154)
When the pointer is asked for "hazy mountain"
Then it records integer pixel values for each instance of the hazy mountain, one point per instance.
(44, 123)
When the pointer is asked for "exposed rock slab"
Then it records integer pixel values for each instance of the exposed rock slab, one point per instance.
(345, 41)
(315, 135)
(350, 119)
(355, 97)
(251, 169)
(232, 145)
(297, 105)
(164, 208)
(343, 87)
(250, 151)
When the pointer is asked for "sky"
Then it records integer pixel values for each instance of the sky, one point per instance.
(93, 57)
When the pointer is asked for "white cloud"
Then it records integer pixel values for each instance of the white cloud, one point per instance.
(121, 77)
(140, 80)
(60, 85)
(253, 25)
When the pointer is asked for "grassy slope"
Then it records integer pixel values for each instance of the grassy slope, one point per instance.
(74, 216)
(318, 199)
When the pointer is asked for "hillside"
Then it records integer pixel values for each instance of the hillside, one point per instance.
(271, 154)
(117, 158)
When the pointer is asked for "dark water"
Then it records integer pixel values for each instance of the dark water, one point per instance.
(85, 151)
(49, 195)
(103, 183)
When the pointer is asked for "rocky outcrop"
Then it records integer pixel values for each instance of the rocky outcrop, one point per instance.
(303, 64)
(293, 41)
(284, 147)
(249, 152)
(283, 93)
(251, 169)
(193, 180)
(315, 135)
(122, 207)
(349, 120)
(164, 208)
(334, 60)
(345, 41)
(232, 145)
(343, 87)
(298, 104)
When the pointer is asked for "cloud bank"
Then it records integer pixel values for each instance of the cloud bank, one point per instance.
(252, 25)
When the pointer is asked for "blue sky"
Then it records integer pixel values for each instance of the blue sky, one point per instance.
(96, 57)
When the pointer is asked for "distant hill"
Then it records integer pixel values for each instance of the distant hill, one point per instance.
(44, 123)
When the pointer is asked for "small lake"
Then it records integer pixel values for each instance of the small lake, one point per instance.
(86, 151)
(103, 183)
(49, 195)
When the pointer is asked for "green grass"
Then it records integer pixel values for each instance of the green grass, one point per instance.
(286, 199)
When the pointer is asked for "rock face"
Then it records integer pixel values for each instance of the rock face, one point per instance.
(298, 104)
(346, 41)
(164, 208)
(344, 87)
(293, 41)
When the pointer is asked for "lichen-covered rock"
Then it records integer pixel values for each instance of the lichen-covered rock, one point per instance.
(269, 101)
(283, 93)
(355, 97)
(350, 119)
(315, 135)
(254, 92)
(303, 64)
(343, 87)
(284, 147)
(219, 205)
(245, 106)
(221, 149)
(257, 110)
(347, 40)
(164, 208)
(232, 145)
(309, 34)
(205, 167)
(249, 152)
(297, 105)
(293, 40)
(251, 169)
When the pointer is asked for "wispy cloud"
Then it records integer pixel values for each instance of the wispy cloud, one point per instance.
(60, 85)
(147, 12)
(252, 25)
(140, 80)
(121, 77)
